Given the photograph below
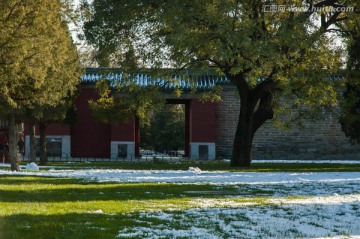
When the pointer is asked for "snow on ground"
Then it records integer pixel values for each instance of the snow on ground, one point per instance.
(195, 175)
(297, 205)
(285, 220)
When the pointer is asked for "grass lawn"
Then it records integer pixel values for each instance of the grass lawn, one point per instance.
(56, 208)
(39, 207)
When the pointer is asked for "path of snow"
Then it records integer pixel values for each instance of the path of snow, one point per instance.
(195, 175)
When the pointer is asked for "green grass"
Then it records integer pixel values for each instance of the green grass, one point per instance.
(217, 165)
(41, 207)
(55, 208)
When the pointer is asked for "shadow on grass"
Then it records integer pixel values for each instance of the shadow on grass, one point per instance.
(29, 180)
(330, 219)
(41, 189)
(69, 226)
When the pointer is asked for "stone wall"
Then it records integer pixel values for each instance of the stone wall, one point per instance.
(319, 140)
(227, 114)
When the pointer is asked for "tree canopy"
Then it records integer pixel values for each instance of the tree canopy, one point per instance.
(350, 110)
(31, 49)
(350, 117)
(38, 61)
(266, 49)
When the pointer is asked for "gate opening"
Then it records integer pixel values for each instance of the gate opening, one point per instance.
(164, 137)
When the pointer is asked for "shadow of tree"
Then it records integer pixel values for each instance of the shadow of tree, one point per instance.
(21, 179)
(43, 189)
(69, 226)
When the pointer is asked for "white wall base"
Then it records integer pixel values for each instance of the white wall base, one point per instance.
(65, 144)
(194, 150)
(115, 149)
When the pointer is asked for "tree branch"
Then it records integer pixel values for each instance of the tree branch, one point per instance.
(326, 24)
(325, 3)
(264, 112)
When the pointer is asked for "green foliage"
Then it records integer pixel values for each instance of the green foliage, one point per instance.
(61, 82)
(350, 111)
(166, 130)
(34, 48)
(353, 62)
(350, 30)
(236, 38)
(125, 101)
(39, 68)
(350, 104)
(38, 61)
(213, 95)
(268, 56)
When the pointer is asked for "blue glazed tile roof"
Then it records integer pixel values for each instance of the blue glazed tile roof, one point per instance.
(185, 82)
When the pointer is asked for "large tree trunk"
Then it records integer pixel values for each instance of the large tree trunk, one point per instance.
(14, 132)
(241, 156)
(43, 153)
(256, 107)
(32, 155)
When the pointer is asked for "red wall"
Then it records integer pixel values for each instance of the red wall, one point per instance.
(89, 137)
(51, 129)
(123, 131)
(203, 122)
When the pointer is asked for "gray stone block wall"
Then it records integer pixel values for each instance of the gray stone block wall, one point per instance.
(316, 140)
(227, 114)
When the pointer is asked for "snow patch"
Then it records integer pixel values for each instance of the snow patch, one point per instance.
(32, 167)
(194, 170)
(99, 211)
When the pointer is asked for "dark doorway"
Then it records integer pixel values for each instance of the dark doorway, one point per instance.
(168, 133)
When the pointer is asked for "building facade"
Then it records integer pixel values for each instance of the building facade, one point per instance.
(209, 130)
